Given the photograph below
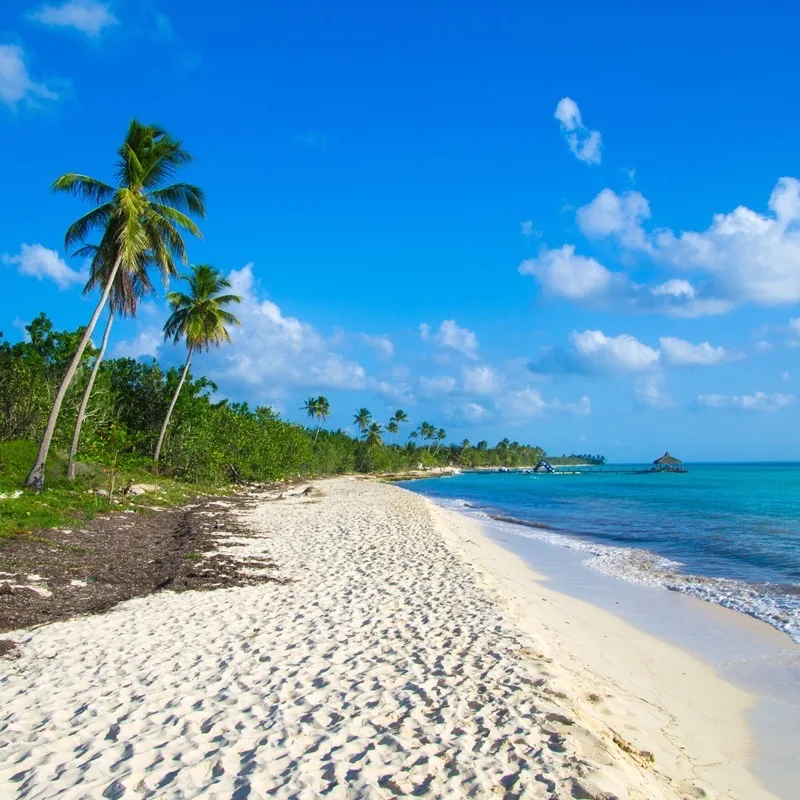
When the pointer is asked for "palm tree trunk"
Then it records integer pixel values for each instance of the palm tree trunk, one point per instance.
(317, 432)
(76, 436)
(35, 479)
(163, 433)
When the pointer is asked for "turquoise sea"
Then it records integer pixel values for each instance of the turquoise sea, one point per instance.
(728, 533)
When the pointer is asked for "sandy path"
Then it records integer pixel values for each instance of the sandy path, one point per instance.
(384, 670)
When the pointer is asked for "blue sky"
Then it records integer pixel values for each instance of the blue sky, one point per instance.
(574, 228)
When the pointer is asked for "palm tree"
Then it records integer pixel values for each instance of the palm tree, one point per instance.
(199, 318)
(439, 436)
(141, 215)
(400, 417)
(125, 293)
(372, 435)
(465, 445)
(362, 419)
(319, 408)
(392, 427)
(426, 432)
(310, 407)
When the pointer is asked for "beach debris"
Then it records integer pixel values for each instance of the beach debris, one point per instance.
(642, 757)
(9, 649)
(78, 583)
(141, 488)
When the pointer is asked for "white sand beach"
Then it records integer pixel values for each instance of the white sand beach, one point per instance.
(409, 655)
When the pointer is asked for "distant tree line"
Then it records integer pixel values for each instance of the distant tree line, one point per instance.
(572, 458)
(207, 440)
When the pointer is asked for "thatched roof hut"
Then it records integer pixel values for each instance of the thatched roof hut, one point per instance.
(667, 461)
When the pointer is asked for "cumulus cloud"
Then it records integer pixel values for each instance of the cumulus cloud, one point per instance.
(615, 354)
(450, 335)
(562, 273)
(592, 352)
(146, 343)
(481, 380)
(583, 280)
(527, 229)
(86, 16)
(760, 401)
(526, 403)
(585, 144)
(620, 216)
(680, 353)
(743, 257)
(39, 262)
(16, 84)
(272, 350)
(381, 345)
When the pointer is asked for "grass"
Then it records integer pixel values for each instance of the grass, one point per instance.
(64, 503)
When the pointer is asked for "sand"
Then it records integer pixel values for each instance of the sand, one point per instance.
(409, 655)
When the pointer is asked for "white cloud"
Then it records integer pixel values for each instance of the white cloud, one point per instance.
(272, 351)
(146, 343)
(474, 412)
(524, 404)
(785, 376)
(680, 353)
(527, 229)
(584, 144)
(16, 84)
(41, 263)
(616, 354)
(437, 386)
(564, 274)
(650, 393)
(584, 280)
(399, 392)
(86, 16)
(452, 336)
(760, 401)
(481, 380)
(382, 345)
(744, 256)
(677, 287)
(620, 216)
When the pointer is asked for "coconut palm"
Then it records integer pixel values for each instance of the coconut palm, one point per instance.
(140, 215)
(372, 435)
(319, 408)
(128, 288)
(400, 417)
(426, 432)
(392, 427)
(438, 437)
(200, 319)
(362, 418)
(310, 407)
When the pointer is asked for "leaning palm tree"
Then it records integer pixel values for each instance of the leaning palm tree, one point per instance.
(200, 319)
(319, 408)
(362, 419)
(128, 288)
(140, 215)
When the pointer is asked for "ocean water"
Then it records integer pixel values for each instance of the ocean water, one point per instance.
(727, 533)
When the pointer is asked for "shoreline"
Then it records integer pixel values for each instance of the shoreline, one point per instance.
(694, 721)
(396, 651)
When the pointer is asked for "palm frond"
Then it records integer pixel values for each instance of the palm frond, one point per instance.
(84, 187)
